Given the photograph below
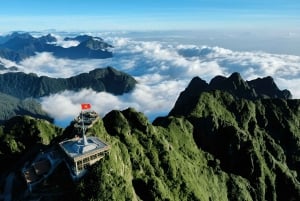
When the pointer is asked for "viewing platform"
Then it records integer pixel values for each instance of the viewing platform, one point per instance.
(77, 153)
(83, 152)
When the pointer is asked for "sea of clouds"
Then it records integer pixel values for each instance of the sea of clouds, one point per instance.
(163, 68)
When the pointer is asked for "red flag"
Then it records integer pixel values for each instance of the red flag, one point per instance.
(85, 106)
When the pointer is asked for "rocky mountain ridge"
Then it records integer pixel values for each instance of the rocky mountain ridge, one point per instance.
(23, 85)
(260, 88)
(19, 46)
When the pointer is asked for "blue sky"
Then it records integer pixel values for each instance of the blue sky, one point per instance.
(148, 14)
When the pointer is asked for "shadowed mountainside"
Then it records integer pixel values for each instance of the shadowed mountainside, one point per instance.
(11, 106)
(23, 85)
(260, 88)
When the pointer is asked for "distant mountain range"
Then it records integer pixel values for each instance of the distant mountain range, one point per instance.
(23, 85)
(18, 46)
(18, 89)
(15, 87)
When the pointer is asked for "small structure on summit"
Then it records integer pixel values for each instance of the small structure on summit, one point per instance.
(83, 151)
(86, 118)
(78, 153)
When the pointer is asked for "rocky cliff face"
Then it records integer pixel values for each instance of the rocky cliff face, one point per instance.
(214, 145)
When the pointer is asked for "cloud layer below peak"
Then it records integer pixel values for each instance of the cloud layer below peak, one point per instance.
(162, 69)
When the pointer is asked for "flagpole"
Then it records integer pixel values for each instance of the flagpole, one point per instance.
(84, 106)
(83, 129)
(82, 122)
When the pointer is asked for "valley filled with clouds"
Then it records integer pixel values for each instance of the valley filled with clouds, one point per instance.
(163, 68)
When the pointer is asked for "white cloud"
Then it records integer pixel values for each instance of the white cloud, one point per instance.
(7, 63)
(290, 84)
(45, 64)
(162, 69)
(156, 99)
(165, 59)
(67, 104)
(60, 106)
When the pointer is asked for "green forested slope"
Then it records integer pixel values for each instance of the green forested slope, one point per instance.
(21, 138)
(163, 161)
(11, 106)
(214, 145)
(222, 147)
(20, 133)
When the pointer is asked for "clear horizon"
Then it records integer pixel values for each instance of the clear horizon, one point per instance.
(66, 15)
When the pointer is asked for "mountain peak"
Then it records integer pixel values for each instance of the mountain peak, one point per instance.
(82, 38)
(234, 85)
(235, 80)
(236, 77)
(94, 44)
(190, 95)
(49, 38)
(268, 88)
(253, 89)
(22, 35)
(197, 84)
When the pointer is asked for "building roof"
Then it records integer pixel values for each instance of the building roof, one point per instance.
(78, 146)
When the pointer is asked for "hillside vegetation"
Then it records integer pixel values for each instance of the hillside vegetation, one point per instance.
(11, 106)
(214, 145)
(223, 147)
(21, 137)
